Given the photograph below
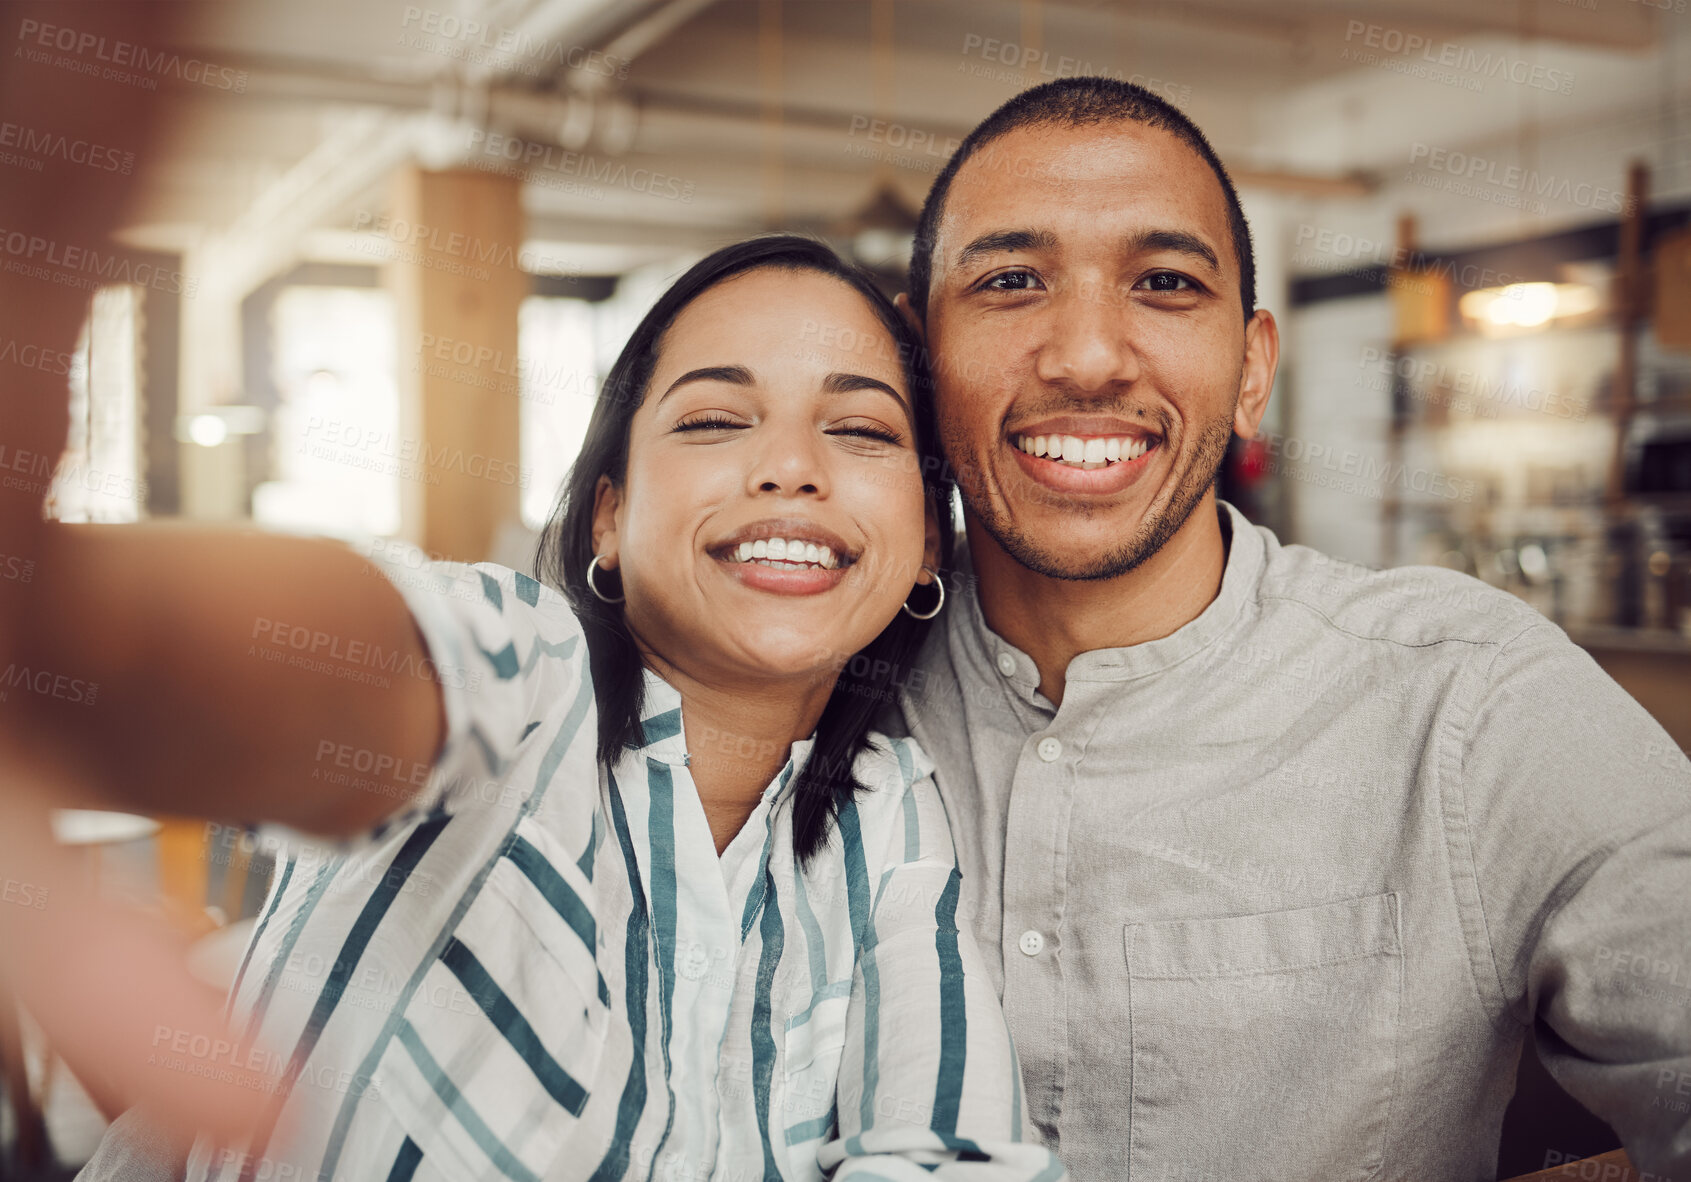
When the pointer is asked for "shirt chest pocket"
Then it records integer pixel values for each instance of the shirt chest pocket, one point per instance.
(815, 1038)
(1281, 1028)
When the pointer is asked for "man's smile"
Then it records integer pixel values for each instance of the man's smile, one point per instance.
(1086, 452)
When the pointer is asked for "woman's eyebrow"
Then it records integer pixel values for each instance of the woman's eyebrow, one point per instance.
(735, 375)
(844, 383)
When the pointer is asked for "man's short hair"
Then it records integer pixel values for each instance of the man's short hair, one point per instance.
(1075, 102)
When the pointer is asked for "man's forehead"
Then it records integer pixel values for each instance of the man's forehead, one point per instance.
(1128, 172)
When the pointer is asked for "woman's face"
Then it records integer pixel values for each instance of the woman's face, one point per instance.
(772, 518)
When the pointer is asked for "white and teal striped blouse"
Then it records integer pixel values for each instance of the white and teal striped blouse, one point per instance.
(543, 970)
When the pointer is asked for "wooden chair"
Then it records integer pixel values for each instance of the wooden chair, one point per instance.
(30, 1146)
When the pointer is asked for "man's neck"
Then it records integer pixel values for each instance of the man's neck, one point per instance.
(1055, 620)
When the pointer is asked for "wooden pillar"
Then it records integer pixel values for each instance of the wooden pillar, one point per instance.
(454, 241)
(1398, 411)
(1631, 298)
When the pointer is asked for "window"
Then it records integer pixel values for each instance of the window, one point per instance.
(560, 379)
(339, 453)
(99, 477)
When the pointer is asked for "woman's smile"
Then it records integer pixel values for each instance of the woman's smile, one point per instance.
(785, 556)
(781, 577)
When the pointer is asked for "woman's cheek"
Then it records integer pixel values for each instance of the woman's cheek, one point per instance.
(888, 500)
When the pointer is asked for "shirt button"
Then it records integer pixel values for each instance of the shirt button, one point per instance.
(1049, 749)
(1006, 664)
(1032, 943)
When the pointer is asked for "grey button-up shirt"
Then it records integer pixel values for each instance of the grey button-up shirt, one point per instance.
(1279, 895)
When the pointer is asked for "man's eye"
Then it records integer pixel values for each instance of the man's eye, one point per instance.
(1168, 281)
(709, 422)
(1012, 281)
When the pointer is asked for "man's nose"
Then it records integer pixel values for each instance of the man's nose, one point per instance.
(1089, 345)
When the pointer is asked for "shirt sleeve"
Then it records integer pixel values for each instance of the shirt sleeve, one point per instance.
(1578, 811)
(929, 1086)
(503, 647)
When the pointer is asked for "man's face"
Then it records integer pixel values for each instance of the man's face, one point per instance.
(1091, 352)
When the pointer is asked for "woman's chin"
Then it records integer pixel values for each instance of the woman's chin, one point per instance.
(810, 655)
(803, 645)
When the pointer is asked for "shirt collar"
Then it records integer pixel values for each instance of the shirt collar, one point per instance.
(665, 741)
(987, 655)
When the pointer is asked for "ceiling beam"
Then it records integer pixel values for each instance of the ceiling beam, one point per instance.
(1632, 26)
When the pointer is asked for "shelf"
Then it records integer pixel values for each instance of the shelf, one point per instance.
(1671, 503)
(1673, 403)
(1659, 641)
(1462, 335)
(1677, 404)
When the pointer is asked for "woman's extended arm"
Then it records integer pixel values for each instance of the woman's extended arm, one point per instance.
(105, 984)
(212, 672)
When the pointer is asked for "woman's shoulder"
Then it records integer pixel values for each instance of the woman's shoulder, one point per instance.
(507, 651)
(900, 812)
(896, 762)
(482, 598)
(413, 567)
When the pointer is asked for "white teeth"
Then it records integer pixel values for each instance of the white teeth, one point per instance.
(791, 552)
(1094, 452)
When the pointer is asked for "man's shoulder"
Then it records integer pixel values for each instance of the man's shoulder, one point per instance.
(1411, 606)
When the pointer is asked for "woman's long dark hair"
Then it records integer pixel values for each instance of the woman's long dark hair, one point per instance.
(870, 678)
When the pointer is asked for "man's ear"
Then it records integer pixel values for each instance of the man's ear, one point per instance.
(607, 499)
(1262, 358)
(913, 318)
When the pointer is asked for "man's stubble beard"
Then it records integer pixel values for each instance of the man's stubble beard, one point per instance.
(1154, 530)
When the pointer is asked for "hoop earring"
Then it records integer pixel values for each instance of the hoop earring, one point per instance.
(594, 587)
(939, 585)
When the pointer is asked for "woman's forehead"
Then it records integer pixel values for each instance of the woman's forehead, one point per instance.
(786, 318)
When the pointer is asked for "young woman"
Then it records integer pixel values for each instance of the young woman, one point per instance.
(633, 891)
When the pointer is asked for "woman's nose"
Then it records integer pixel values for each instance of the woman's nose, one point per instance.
(790, 463)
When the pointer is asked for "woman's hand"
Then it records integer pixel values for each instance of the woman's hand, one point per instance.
(109, 986)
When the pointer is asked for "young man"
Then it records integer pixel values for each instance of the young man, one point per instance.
(1277, 859)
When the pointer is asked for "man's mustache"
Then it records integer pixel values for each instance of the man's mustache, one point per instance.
(1046, 408)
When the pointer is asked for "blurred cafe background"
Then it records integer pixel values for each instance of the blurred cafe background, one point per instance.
(388, 250)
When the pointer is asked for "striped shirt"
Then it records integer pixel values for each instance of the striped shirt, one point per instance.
(542, 969)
